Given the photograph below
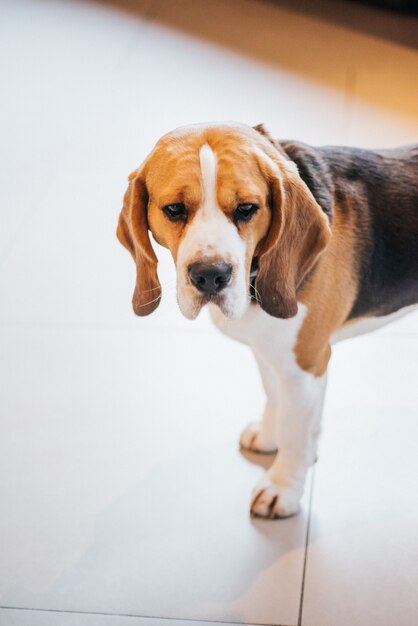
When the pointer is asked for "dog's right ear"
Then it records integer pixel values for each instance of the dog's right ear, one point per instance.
(299, 233)
(132, 233)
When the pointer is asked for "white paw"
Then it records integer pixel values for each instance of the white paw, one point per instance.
(272, 501)
(254, 438)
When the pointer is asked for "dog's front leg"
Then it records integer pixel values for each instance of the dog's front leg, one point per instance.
(261, 436)
(300, 401)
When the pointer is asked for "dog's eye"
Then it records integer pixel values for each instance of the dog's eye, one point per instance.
(244, 212)
(175, 212)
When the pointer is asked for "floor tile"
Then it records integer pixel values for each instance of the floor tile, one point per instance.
(362, 556)
(54, 83)
(124, 488)
(382, 107)
(264, 78)
(18, 617)
(407, 324)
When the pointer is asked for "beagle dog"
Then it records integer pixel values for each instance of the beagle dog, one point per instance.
(292, 248)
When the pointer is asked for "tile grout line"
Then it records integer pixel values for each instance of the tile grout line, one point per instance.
(305, 559)
(131, 615)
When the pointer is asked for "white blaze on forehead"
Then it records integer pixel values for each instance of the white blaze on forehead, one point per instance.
(211, 236)
(211, 231)
(208, 169)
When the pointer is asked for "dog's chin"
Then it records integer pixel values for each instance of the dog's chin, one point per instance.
(233, 310)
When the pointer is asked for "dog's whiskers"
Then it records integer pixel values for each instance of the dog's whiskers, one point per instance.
(168, 289)
(153, 289)
(150, 301)
(256, 292)
(170, 286)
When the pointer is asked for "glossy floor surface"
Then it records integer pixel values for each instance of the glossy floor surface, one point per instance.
(124, 497)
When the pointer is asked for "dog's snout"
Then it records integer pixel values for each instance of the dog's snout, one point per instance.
(210, 277)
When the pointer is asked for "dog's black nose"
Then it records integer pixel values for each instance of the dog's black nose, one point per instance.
(210, 277)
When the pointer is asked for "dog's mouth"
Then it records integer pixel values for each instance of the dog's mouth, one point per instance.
(202, 299)
(231, 291)
(192, 306)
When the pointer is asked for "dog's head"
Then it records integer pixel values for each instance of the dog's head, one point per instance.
(224, 199)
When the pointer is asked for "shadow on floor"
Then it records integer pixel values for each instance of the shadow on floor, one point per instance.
(341, 45)
(400, 28)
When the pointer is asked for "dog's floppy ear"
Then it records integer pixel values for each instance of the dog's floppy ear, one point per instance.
(132, 232)
(299, 232)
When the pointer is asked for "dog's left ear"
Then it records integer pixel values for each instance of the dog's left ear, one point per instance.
(132, 233)
(299, 232)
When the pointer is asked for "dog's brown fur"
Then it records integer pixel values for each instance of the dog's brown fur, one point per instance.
(336, 229)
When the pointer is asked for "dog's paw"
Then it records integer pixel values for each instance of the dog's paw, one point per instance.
(253, 438)
(272, 501)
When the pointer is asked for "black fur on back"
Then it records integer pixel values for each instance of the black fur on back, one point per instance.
(378, 191)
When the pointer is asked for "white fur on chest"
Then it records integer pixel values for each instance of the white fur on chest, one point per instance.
(275, 336)
(269, 336)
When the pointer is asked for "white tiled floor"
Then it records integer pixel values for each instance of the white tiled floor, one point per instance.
(123, 494)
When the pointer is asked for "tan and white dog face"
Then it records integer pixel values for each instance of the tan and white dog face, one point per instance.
(215, 196)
